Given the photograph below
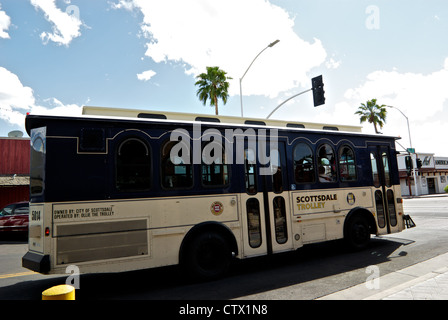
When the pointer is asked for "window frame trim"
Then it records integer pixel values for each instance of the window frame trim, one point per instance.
(336, 156)
(149, 153)
(313, 163)
(355, 159)
(161, 165)
(229, 170)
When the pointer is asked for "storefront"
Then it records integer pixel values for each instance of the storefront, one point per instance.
(431, 174)
(441, 164)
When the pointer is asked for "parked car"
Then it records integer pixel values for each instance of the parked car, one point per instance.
(14, 218)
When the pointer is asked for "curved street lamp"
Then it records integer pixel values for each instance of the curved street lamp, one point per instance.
(407, 120)
(410, 143)
(241, 79)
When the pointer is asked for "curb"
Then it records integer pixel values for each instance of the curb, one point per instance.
(406, 285)
(396, 281)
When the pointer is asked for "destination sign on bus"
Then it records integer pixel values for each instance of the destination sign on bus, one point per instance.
(314, 201)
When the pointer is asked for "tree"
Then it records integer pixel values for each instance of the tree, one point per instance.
(372, 113)
(213, 85)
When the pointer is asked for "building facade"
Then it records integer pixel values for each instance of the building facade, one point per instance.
(14, 170)
(431, 174)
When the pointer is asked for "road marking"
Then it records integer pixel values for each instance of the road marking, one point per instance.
(13, 275)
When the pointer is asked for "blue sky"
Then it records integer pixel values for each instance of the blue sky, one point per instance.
(58, 55)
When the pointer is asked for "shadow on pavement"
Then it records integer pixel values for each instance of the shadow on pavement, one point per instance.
(247, 277)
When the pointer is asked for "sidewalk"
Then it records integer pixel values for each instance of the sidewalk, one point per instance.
(434, 195)
(427, 280)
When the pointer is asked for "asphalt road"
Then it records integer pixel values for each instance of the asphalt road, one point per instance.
(311, 272)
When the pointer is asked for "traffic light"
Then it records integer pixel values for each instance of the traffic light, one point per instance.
(409, 165)
(419, 163)
(318, 91)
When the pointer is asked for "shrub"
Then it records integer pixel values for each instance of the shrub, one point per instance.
(446, 189)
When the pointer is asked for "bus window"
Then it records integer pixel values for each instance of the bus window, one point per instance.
(250, 171)
(326, 163)
(281, 231)
(380, 209)
(133, 166)
(176, 174)
(391, 208)
(254, 222)
(347, 164)
(303, 163)
(386, 169)
(276, 166)
(375, 175)
(215, 173)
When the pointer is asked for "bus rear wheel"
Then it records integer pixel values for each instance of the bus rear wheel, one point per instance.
(357, 232)
(207, 256)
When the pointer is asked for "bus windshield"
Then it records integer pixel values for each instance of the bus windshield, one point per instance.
(37, 155)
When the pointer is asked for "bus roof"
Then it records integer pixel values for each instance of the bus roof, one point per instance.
(135, 113)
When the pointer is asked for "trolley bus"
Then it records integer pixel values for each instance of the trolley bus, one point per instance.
(119, 190)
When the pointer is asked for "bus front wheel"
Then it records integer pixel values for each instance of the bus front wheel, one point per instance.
(207, 256)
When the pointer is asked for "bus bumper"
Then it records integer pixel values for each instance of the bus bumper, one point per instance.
(36, 262)
(409, 223)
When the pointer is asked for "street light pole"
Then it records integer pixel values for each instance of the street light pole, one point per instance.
(241, 79)
(410, 143)
(407, 120)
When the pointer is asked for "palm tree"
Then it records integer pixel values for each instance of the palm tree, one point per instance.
(213, 85)
(372, 113)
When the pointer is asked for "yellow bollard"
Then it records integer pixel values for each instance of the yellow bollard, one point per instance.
(61, 292)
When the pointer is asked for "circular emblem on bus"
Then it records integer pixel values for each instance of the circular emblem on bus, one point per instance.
(216, 208)
(351, 199)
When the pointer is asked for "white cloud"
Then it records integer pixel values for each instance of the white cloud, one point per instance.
(123, 4)
(58, 109)
(12, 92)
(411, 92)
(229, 34)
(332, 64)
(66, 25)
(423, 98)
(16, 100)
(5, 22)
(146, 75)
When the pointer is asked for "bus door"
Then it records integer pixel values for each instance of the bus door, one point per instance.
(266, 205)
(386, 213)
(277, 204)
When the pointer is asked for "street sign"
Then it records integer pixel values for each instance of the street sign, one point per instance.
(411, 150)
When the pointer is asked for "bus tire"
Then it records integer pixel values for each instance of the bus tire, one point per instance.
(207, 256)
(357, 232)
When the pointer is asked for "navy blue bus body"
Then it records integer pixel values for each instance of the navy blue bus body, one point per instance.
(77, 170)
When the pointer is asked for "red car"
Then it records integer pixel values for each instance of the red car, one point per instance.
(14, 218)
